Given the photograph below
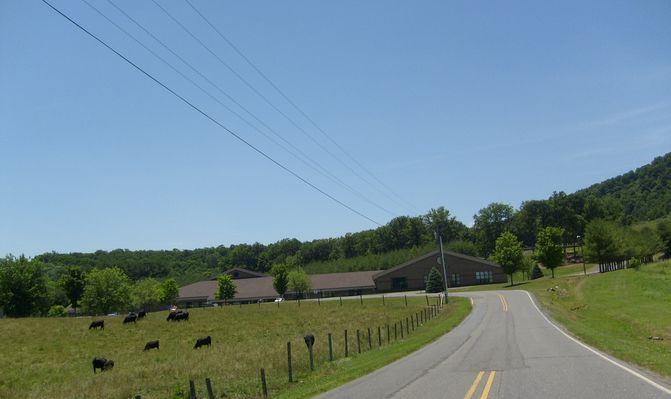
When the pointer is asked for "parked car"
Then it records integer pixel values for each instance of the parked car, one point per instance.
(280, 299)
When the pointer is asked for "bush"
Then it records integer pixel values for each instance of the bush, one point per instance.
(634, 263)
(536, 272)
(56, 311)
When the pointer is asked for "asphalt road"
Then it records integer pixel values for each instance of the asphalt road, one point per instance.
(505, 348)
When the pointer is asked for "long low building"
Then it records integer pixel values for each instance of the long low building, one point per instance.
(410, 276)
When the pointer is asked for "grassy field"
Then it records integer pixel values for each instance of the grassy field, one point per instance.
(615, 312)
(51, 358)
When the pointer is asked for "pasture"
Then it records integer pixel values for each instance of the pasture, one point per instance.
(52, 357)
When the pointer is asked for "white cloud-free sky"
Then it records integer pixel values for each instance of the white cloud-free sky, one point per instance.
(448, 103)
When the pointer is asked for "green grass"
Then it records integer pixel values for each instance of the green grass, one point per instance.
(48, 357)
(615, 312)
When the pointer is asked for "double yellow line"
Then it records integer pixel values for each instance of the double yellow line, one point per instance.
(488, 385)
(504, 303)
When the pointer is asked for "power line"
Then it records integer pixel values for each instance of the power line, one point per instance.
(212, 119)
(257, 92)
(314, 165)
(295, 106)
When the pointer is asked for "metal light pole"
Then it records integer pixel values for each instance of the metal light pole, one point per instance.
(442, 261)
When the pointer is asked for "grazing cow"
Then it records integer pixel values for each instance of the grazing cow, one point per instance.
(182, 316)
(97, 324)
(203, 341)
(102, 364)
(172, 315)
(151, 345)
(131, 318)
(309, 340)
(141, 314)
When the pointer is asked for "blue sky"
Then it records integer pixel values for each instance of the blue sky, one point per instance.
(455, 104)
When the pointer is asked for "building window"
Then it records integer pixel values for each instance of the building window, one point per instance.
(456, 280)
(484, 277)
(399, 283)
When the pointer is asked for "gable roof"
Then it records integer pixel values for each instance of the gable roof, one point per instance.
(240, 270)
(432, 254)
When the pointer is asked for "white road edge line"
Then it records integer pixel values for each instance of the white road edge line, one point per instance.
(625, 368)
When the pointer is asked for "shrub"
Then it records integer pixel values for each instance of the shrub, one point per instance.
(56, 311)
(536, 272)
(634, 263)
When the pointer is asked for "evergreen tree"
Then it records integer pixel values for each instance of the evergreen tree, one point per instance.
(434, 282)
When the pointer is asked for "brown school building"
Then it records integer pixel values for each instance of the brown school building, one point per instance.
(462, 270)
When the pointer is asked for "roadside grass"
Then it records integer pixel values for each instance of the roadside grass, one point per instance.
(615, 312)
(51, 357)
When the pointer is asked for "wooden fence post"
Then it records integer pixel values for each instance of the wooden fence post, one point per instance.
(330, 348)
(340, 301)
(358, 341)
(361, 299)
(383, 300)
(427, 300)
(210, 392)
(395, 333)
(401, 324)
(407, 326)
(346, 347)
(379, 336)
(412, 322)
(264, 387)
(370, 345)
(192, 390)
(406, 300)
(388, 334)
(289, 368)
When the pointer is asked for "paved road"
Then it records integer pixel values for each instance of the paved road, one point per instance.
(504, 349)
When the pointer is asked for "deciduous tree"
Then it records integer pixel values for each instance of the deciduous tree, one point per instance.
(508, 254)
(106, 290)
(280, 278)
(549, 249)
(299, 281)
(227, 287)
(170, 291)
(72, 282)
(146, 293)
(23, 287)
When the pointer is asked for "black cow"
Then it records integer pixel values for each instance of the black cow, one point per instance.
(151, 345)
(131, 318)
(309, 340)
(97, 324)
(203, 341)
(181, 316)
(141, 314)
(172, 315)
(102, 364)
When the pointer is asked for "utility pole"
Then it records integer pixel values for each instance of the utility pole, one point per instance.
(442, 261)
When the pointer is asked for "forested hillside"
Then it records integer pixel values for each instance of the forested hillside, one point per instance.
(642, 194)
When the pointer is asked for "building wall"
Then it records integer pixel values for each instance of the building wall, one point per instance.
(467, 271)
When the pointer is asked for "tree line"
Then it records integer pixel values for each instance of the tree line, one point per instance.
(27, 290)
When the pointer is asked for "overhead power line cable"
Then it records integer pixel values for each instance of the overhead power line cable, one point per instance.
(301, 156)
(296, 107)
(207, 116)
(258, 93)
